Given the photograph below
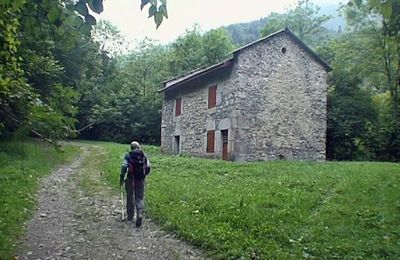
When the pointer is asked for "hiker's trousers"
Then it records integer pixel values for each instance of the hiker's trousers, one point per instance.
(134, 197)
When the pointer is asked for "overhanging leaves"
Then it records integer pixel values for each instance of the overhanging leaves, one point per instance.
(158, 18)
(158, 13)
(81, 8)
(96, 5)
(144, 2)
(152, 10)
(90, 20)
(163, 10)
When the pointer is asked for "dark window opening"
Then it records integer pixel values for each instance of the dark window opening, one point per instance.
(178, 107)
(210, 141)
(212, 96)
(177, 144)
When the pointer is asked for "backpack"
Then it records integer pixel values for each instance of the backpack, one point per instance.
(136, 164)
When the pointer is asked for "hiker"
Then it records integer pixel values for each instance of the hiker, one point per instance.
(135, 168)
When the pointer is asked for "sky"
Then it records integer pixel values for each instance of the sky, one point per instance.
(184, 14)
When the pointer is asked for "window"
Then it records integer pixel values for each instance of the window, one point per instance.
(178, 107)
(210, 141)
(212, 96)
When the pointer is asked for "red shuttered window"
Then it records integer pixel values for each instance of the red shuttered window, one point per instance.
(212, 96)
(178, 107)
(210, 141)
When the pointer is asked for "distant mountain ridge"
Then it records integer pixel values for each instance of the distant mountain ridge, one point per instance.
(244, 33)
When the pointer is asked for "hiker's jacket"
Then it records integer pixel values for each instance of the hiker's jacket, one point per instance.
(125, 163)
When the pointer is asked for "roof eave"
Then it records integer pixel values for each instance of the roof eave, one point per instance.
(195, 75)
(180, 80)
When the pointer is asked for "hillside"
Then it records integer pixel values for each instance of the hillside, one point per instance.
(243, 33)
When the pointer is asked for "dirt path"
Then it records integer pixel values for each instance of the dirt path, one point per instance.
(78, 218)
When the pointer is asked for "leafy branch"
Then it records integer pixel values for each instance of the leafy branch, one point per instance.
(157, 9)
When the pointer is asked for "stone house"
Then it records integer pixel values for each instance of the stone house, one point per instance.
(268, 101)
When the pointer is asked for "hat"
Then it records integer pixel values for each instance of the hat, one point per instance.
(135, 145)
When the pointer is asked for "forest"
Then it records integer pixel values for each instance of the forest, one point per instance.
(64, 74)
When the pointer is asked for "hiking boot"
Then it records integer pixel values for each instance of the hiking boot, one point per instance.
(129, 219)
(138, 221)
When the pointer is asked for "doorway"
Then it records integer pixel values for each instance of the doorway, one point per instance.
(177, 144)
(225, 154)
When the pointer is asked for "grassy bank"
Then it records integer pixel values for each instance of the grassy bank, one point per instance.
(274, 210)
(22, 164)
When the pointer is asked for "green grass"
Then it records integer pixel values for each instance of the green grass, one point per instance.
(22, 164)
(266, 210)
(274, 210)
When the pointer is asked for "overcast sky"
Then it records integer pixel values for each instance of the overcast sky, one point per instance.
(183, 14)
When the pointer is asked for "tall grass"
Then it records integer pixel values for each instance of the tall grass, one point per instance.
(22, 164)
(274, 210)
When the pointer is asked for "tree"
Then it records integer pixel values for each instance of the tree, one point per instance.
(129, 105)
(387, 38)
(186, 52)
(303, 20)
(244, 33)
(377, 22)
(16, 96)
(38, 37)
(110, 39)
(217, 45)
(52, 60)
(351, 113)
(195, 50)
(43, 104)
(147, 67)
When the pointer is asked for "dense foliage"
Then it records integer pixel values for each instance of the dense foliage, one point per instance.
(304, 21)
(244, 33)
(127, 105)
(64, 74)
(48, 61)
(364, 99)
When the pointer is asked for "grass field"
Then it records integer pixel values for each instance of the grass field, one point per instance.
(266, 210)
(22, 164)
(274, 210)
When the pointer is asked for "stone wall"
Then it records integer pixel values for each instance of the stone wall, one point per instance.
(272, 102)
(196, 119)
(282, 113)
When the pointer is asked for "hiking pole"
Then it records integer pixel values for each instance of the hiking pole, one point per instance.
(122, 202)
